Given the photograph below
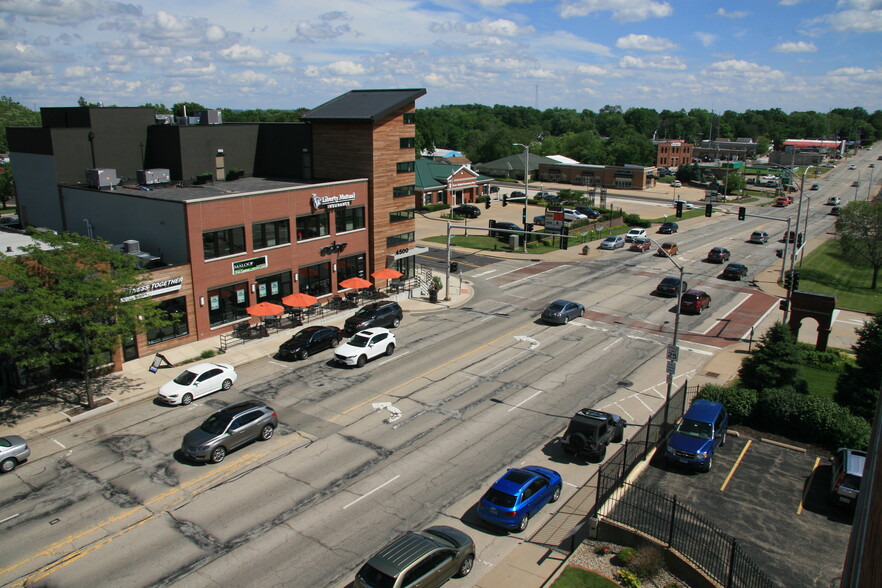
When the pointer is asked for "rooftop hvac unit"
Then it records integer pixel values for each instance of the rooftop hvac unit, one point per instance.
(150, 177)
(131, 246)
(163, 119)
(103, 179)
(209, 117)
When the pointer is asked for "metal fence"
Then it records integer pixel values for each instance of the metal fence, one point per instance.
(651, 512)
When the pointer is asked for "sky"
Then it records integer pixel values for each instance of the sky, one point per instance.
(795, 55)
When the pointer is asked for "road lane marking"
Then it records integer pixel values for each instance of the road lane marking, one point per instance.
(372, 491)
(611, 344)
(808, 485)
(59, 444)
(9, 518)
(735, 466)
(761, 319)
(493, 271)
(537, 393)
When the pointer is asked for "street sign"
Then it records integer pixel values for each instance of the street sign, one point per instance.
(673, 353)
(672, 367)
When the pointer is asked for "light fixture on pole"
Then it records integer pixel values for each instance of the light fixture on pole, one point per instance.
(526, 185)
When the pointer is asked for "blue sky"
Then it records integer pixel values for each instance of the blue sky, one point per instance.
(582, 54)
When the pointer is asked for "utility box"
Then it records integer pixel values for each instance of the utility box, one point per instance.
(149, 177)
(103, 179)
(513, 241)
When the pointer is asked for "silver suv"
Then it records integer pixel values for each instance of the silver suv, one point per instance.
(228, 429)
(848, 469)
(419, 558)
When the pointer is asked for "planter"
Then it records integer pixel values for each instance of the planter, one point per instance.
(81, 413)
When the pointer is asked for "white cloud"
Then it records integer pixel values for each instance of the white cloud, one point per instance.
(80, 71)
(176, 31)
(655, 63)
(795, 47)
(563, 42)
(622, 10)
(251, 56)
(860, 21)
(330, 25)
(68, 13)
(190, 67)
(737, 14)
(346, 68)
(706, 39)
(645, 43)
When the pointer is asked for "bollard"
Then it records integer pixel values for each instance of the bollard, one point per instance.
(584, 250)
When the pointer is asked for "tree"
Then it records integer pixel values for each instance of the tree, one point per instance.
(774, 363)
(859, 229)
(191, 108)
(858, 386)
(64, 304)
(7, 185)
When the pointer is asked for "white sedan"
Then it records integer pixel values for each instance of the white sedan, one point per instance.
(365, 345)
(686, 205)
(196, 381)
(571, 215)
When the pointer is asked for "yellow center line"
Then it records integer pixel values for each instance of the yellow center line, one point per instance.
(808, 485)
(735, 466)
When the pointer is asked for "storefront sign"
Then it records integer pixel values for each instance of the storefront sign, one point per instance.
(149, 289)
(457, 184)
(402, 253)
(249, 265)
(333, 248)
(332, 201)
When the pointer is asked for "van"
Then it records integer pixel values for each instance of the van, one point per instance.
(697, 435)
(848, 469)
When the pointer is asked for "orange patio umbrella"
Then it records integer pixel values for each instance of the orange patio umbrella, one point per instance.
(355, 283)
(387, 273)
(299, 300)
(265, 309)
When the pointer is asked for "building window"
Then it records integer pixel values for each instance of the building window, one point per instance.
(427, 198)
(407, 142)
(409, 118)
(312, 226)
(223, 242)
(401, 215)
(271, 234)
(274, 288)
(399, 191)
(354, 266)
(315, 280)
(176, 311)
(405, 166)
(396, 240)
(350, 218)
(227, 304)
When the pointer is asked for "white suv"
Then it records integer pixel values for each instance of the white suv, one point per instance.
(365, 345)
(634, 233)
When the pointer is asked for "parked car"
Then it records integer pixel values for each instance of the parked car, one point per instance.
(613, 242)
(518, 495)
(385, 313)
(542, 195)
(588, 212)
(816, 186)
(676, 184)
(735, 271)
(686, 205)
(467, 210)
(634, 233)
(694, 301)
(539, 220)
(667, 248)
(571, 214)
(517, 194)
(698, 435)
(197, 381)
(718, 255)
(310, 340)
(10, 220)
(641, 244)
(494, 189)
(560, 312)
(852, 166)
(670, 286)
(856, 184)
(228, 429)
(591, 431)
(836, 210)
(14, 450)
(833, 201)
(366, 345)
(848, 471)
(504, 226)
(760, 237)
(419, 558)
(668, 228)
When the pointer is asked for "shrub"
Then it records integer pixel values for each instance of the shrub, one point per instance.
(634, 220)
(625, 556)
(602, 549)
(738, 400)
(833, 359)
(628, 579)
(648, 562)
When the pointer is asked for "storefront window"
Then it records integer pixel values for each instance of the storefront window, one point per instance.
(315, 279)
(312, 226)
(227, 303)
(274, 288)
(349, 219)
(271, 234)
(176, 311)
(354, 266)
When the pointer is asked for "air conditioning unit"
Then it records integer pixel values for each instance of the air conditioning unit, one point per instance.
(209, 117)
(103, 179)
(131, 246)
(149, 177)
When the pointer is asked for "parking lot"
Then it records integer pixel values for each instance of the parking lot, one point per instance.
(773, 500)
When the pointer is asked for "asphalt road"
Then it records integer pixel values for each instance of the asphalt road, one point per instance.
(479, 388)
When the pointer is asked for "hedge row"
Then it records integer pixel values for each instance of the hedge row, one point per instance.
(811, 419)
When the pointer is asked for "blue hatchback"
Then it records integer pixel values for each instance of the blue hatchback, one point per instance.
(518, 495)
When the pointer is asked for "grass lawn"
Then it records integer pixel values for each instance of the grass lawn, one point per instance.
(573, 577)
(821, 382)
(826, 270)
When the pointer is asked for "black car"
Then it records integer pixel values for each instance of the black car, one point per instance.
(504, 226)
(669, 228)
(517, 194)
(588, 211)
(590, 431)
(670, 286)
(735, 271)
(494, 189)
(718, 255)
(386, 313)
(310, 340)
(467, 210)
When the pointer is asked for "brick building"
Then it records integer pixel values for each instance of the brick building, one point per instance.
(673, 153)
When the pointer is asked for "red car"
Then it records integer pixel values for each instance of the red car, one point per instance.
(695, 301)
(641, 244)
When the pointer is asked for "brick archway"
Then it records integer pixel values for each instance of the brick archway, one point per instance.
(817, 306)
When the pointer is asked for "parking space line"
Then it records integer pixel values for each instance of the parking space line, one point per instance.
(735, 466)
(808, 485)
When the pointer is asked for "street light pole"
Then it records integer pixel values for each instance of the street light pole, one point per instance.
(526, 186)
(857, 186)
(673, 350)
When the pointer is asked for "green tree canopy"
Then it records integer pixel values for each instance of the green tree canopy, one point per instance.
(859, 229)
(858, 386)
(66, 306)
(774, 363)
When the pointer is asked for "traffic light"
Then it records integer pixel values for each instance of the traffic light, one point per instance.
(784, 304)
(528, 227)
(679, 209)
(505, 199)
(708, 209)
(742, 213)
(487, 202)
(791, 280)
(454, 267)
(564, 237)
(796, 280)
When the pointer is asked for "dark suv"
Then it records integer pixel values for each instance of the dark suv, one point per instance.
(590, 431)
(228, 429)
(386, 313)
(467, 210)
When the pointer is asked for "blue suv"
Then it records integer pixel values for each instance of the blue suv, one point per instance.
(698, 434)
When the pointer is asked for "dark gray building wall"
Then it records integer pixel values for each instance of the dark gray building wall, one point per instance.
(159, 226)
(284, 150)
(36, 188)
(190, 150)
